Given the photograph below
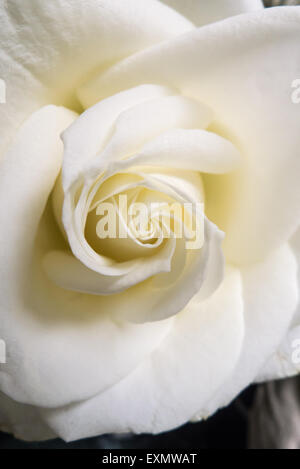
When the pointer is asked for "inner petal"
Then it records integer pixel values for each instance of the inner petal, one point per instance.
(125, 226)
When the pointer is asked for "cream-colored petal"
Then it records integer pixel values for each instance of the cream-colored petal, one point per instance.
(285, 362)
(23, 421)
(120, 125)
(243, 69)
(270, 295)
(68, 272)
(52, 336)
(92, 131)
(194, 150)
(50, 48)
(147, 302)
(202, 12)
(167, 388)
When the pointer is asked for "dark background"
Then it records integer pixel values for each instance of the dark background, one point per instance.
(228, 429)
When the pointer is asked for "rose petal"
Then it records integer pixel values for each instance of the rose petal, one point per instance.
(166, 389)
(122, 124)
(162, 303)
(105, 278)
(247, 65)
(23, 421)
(50, 48)
(52, 336)
(285, 361)
(194, 150)
(74, 219)
(270, 294)
(92, 130)
(68, 272)
(202, 12)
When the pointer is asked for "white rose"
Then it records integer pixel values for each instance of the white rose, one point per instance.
(144, 333)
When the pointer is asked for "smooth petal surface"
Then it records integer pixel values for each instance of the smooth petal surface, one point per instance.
(202, 12)
(50, 48)
(285, 362)
(270, 294)
(68, 272)
(86, 138)
(215, 99)
(23, 421)
(247, 65)
(28, 172)
(147, 302)
(153, 399)
(128, 120)
(195, 150)
(52, 336)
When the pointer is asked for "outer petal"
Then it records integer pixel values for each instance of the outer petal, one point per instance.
(120, 125)
(195, 150)
(150, 301)
(247, 65)
(50, 48)
(68, 272)
(52, 336)
(23, 421)
(166, 389)
(91, 132)
(270, 293)
(202, 12)
(285, 362)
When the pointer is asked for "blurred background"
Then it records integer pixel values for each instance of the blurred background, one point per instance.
(262, 417)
